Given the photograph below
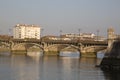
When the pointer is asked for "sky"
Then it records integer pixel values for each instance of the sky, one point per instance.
(68, 16)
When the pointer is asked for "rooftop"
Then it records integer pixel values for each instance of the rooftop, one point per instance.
(26, 25)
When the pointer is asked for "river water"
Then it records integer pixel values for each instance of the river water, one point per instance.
(20, 67)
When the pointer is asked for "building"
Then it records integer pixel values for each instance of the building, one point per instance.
(82, 36)
(23, 31)
(87, 35)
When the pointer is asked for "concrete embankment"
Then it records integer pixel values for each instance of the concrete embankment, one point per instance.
(111, 61)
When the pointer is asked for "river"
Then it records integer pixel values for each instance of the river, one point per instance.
(20, 67)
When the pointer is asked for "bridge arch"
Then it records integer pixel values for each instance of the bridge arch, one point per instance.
(55, 47)
(26, 46)
(4, 45)
(71, 48)
(62, 47)
(93, 49)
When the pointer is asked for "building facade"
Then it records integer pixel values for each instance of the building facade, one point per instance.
(79, 36)
(23, 31)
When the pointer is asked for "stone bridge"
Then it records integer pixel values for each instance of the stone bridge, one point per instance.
(50, 46)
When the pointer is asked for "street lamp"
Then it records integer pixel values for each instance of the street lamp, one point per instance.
(60, 34)
(10, 31)
(79, 33)
(41, 34)
(97, 34)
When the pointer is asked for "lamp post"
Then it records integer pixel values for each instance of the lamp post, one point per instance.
(98, 34)
(79, 33)
(42, 32)
(10, 31)
(41, 35)
(60, 34)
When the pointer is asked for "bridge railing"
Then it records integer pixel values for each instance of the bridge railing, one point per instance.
(84, 42)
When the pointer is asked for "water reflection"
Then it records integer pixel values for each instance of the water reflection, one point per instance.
(35, 55)
(70, 68)
(69, 54)
(20, 67)
(24, 68)
(100, 54)
(5, 54)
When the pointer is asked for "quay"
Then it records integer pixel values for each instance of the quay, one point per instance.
(111, 61)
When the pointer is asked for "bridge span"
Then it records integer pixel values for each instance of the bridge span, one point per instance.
(50, 46)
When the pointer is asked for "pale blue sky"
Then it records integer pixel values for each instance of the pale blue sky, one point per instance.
(65, 15)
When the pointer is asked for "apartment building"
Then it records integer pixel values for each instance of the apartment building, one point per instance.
(23, 31)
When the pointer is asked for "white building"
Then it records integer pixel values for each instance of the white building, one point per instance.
(81, 35)
(88, 35)
(23, 31)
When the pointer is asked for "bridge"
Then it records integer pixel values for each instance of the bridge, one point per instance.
(53, 46)
(84, 47)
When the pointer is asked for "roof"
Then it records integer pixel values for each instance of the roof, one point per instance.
(26, 25)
